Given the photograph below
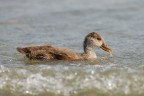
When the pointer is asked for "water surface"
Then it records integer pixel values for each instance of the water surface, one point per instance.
(64, 23)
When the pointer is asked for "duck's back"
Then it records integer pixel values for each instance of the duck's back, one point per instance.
(49, 52)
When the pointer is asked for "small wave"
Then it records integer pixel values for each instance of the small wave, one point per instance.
(70, 80)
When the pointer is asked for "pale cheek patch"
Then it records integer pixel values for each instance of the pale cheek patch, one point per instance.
(98, 43)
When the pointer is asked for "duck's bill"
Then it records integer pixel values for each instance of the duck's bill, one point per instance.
(106, 48)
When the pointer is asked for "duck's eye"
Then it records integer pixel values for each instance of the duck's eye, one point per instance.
(98, 38)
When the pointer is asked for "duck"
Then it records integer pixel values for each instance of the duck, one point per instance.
(49, 52)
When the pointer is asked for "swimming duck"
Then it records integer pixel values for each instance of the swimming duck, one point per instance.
(48, 52)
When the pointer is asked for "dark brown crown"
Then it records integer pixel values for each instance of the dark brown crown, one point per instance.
(94, 35)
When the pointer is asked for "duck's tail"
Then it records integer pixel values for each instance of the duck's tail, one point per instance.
(21, 50)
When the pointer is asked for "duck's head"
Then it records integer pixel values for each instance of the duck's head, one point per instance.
(93, 39)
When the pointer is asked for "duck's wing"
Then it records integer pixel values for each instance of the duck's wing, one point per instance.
(64, 54)
(48, 52)
(35, 52)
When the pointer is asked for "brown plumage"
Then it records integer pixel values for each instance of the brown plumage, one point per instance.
(47, 52)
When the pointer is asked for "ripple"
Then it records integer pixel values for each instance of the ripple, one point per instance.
(65, 80)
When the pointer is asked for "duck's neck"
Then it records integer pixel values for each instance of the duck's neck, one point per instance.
(89, 52)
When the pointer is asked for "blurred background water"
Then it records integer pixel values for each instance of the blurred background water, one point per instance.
(64, 23)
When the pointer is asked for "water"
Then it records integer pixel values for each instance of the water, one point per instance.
(64, 23)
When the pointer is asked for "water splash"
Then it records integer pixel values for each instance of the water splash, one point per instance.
(68, 80)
